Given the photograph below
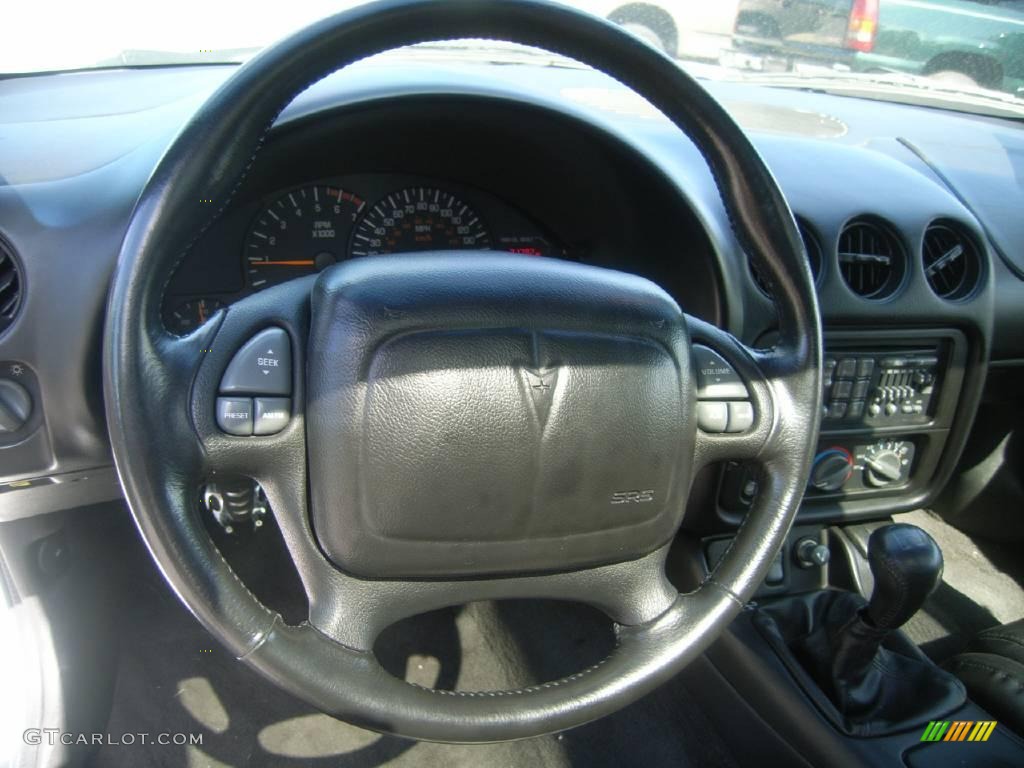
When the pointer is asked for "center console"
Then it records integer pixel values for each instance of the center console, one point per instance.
(817, 670)
(816, 664)
(889, 401)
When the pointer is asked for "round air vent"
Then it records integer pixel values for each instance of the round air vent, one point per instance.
(813, 248)
(871, 258)
(952, 262)
(11, 285)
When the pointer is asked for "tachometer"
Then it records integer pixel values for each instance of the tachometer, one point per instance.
(301, 232)
(419, 219)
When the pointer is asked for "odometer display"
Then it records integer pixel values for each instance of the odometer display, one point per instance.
(301, 232)
(419, 219)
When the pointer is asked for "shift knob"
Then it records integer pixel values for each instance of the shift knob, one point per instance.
(907, 566)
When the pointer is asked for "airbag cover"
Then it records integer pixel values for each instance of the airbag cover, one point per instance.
(487, 415)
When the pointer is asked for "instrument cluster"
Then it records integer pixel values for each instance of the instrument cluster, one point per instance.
(294, 232)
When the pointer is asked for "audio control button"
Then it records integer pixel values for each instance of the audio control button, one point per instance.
(846, 369)
(842, 389)
(713, 417)
(716, 379)
(263, 366)
(741, 417)
(234, 415)
(865, 366)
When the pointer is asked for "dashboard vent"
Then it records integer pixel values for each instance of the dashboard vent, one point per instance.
(10, 286)
(952, 263)
(814, 256)
(871, 259)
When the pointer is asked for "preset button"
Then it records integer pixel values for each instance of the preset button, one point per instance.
(234, 415)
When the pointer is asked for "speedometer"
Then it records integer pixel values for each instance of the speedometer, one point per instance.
(419, 219)
(301, 232)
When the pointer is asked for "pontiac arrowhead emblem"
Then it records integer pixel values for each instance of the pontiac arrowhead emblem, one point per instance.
(540, 384)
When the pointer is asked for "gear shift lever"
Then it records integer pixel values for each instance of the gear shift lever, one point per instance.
(907, 566)
(877, 679)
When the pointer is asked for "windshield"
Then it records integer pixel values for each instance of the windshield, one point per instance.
(969, 54)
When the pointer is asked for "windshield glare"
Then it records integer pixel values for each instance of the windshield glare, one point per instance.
(966, 49)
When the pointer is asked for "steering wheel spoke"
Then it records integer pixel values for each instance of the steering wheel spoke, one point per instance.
(354, 611)
(247, 400)
(743, 395)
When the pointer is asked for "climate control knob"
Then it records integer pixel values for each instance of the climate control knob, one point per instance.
(831, 469)
(883, 466)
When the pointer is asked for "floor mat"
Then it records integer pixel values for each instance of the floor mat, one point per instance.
(174, 678)
(981, 588)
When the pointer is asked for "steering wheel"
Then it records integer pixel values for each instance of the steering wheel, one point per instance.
(460, 426)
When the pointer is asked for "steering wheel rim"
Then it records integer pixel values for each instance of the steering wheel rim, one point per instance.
(148, 373)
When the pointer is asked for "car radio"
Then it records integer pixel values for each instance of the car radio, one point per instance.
(876, 389)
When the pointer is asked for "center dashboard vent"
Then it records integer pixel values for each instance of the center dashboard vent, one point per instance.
(952, 263)
(11, 286)
(813, 249)
(871, 259)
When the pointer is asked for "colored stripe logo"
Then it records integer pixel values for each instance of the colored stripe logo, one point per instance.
(958, 730)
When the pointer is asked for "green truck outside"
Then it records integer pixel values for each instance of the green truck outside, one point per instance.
(964, 42)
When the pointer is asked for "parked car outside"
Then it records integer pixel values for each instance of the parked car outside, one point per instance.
(964, 42)
(687, 29)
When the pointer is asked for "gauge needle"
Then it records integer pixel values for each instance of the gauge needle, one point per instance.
(298, 263)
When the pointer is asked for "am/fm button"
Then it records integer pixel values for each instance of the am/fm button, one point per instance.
(272, 414)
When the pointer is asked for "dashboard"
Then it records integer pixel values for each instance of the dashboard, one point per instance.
(917, 267)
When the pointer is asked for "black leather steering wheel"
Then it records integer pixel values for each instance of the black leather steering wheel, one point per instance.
(409, 375)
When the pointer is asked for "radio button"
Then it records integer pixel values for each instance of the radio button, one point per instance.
(713, 417)
(846, 369)
(271, 414)
(716, 379)
(263, 366)
(234, 415)
(741, 417)
(865, 366)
